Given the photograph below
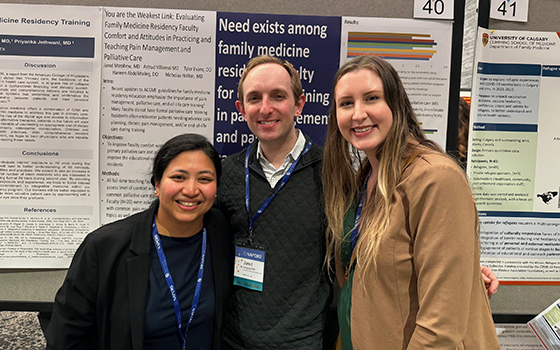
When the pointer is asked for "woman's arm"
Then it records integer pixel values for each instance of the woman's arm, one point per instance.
(443, 224)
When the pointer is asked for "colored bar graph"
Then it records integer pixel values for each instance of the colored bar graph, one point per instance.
(404, 46)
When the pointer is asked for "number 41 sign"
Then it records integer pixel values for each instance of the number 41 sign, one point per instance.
(433, 9)
(509, 10)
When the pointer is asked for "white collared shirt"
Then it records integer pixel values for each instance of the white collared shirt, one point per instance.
(274, 175)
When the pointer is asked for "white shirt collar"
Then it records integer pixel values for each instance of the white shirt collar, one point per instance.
(272, 174)
(294, 153)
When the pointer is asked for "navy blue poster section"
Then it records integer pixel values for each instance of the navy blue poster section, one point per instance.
(310, 43)
(47, 46)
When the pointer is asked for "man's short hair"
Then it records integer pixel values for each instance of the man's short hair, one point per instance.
(297, 89)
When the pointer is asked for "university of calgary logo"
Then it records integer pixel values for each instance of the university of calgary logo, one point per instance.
(484, 39)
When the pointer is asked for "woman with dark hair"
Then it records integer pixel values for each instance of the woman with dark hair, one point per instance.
(158, 279)
(403, 228)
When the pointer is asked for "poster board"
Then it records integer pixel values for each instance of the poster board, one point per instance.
(32, 286)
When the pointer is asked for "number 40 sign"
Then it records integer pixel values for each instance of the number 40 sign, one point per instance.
(509, 10)
(433, 9)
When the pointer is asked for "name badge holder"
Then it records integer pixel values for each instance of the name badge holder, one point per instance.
(249, 265)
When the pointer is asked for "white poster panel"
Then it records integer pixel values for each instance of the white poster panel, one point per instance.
(158, 82)
(420, 50)
(49, 120)
(514, 149)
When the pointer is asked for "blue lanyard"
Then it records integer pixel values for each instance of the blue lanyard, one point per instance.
(266, 202)
(171, 284)
(354, 233)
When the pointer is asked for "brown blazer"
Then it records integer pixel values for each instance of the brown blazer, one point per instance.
(429, 293)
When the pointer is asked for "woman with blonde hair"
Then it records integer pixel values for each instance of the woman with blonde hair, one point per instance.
(463, 131)
(403, 227)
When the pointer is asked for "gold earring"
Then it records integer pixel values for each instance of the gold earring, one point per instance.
(156, 192)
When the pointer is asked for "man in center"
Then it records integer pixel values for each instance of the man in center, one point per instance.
(285, 219)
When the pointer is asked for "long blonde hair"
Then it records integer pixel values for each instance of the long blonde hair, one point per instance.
(463, 131)
(342, 182)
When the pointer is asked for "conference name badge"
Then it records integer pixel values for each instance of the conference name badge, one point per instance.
(249, 268)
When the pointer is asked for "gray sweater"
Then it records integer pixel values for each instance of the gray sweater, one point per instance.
(290, 311)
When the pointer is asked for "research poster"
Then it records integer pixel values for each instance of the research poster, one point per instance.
(50, 75)
(158, 81)
(89, 94)
(514, 149)
(420, 51)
